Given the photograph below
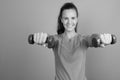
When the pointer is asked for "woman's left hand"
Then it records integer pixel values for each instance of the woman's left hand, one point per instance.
(106, 38)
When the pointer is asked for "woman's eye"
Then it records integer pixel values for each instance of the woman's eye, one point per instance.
(65, 18)
(73, 17)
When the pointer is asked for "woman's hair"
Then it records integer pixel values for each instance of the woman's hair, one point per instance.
(60, 27)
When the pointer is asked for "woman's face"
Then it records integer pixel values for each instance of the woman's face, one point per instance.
(69, 19)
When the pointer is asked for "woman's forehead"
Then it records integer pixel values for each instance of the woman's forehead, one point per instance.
(69, 12)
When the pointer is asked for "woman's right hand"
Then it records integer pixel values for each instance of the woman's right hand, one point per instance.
(40, 38)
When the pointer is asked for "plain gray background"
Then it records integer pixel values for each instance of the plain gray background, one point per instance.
(22, 61)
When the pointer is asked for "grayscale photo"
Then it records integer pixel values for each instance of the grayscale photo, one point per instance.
(59, 40)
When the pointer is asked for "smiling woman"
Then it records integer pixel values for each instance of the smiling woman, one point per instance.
(62, 15)
(70, 47)
(69, 20)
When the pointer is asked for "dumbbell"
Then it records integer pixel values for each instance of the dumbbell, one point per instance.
(49, 40)
(96, 40)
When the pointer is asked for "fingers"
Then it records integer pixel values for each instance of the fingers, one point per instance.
(40, 38)
(37, 37)
(44, 37)
(106, 38)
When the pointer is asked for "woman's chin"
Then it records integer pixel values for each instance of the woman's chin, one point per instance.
(70, 30)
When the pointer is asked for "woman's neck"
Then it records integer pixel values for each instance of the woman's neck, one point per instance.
(70, 34)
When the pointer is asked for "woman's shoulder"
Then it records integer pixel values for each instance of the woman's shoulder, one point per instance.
(57, 36)
(82, 37)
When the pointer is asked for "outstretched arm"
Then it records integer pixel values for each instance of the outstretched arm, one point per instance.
(101, 40)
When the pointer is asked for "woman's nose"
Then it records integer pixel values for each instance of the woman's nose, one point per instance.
(69, 21)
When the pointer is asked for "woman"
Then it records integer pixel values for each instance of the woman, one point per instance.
(68, 46)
